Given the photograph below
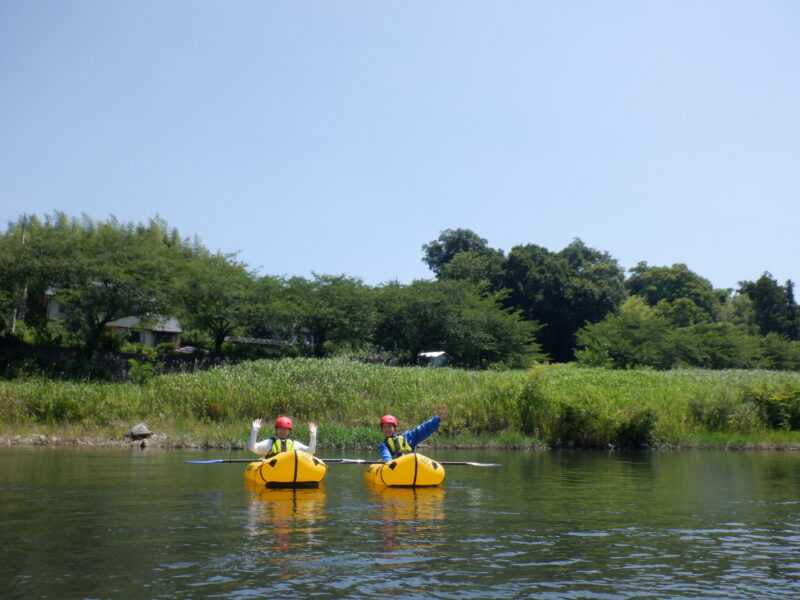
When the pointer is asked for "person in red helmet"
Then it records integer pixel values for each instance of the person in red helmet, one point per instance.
(280, 442)
(395, 445)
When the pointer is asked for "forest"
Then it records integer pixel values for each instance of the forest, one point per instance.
(485, 308)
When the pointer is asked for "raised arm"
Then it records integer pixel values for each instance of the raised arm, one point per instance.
(312, 434)
(261, 448)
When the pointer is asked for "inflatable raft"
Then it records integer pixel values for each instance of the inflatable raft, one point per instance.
(410, 470)
(287, 470)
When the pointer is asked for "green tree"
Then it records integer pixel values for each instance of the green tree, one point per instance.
(456, 316)
(332, 312)
(715, 346)
(657, 284)
(536, 281)
(451, 242)
(774, 307)
(593, 289)
(100, 272)
(563, 291)
(216, 295)
(476, 266)
(636, 335)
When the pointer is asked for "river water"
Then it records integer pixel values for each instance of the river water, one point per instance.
(103, 523)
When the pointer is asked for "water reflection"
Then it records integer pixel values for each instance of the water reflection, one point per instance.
(411, 519)
(284, 520)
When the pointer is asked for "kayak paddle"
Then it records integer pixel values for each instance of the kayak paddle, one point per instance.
(221, 460)
(364, 461)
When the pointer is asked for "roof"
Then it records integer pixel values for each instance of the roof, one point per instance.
(435, 354)
(161, 324)
(258, 341)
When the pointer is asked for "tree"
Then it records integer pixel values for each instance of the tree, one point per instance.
(476, 266)
(333, 311)
(216, 294)
(636, 335)
(456, 316)
(99, 272)
(563, 291)
(774, 307)
(594, 288)
(451, 242)
(656, 284)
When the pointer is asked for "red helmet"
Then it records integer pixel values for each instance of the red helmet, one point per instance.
(283, 422)
(389, 419)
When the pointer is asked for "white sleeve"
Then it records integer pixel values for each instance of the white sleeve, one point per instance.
(262, 447)
(312, 444)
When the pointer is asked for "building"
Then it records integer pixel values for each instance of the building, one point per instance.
(159, 330)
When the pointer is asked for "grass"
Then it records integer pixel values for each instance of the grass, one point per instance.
(547, 406)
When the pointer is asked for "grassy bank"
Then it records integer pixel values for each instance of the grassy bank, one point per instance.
(554, 406)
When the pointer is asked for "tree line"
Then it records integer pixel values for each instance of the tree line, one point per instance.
(483, 307)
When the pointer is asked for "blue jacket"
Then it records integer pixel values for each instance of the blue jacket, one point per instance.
(412, 436)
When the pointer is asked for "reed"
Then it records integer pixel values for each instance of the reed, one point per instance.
(548, 405)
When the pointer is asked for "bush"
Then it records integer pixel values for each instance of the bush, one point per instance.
(637, 430)
(778, 405)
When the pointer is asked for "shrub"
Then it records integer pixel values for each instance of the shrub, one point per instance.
(778, 404)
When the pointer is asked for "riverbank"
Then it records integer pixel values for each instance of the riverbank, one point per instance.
(549, 406)
(91, 438)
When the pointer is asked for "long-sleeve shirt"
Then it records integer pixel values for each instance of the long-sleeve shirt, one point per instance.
(263, 447)
(412, 436)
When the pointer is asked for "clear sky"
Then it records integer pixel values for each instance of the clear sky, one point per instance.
(339, 136)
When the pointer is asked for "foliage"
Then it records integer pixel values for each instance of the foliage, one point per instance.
(674, 284)
(214, 295)
(142, 372)
(562, 291)
(774, 308)
(439, 253)
(777, 404)
(457, 316)
(548, 405)
(331, 312)
(485, 309)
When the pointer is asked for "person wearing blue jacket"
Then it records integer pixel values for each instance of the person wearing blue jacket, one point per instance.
(395, 445)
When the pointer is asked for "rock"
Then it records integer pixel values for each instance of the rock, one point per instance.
(139, 432)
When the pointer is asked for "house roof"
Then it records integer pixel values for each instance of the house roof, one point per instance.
(161, 324)
(435, 354)
(257, 341)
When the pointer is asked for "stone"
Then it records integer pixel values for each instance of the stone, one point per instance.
(139, 432)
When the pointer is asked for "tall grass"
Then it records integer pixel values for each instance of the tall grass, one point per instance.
(558, 406)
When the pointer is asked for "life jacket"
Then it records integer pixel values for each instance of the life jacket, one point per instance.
(398, 446)
(279, 445)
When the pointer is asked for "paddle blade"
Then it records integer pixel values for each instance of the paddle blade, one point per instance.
(350, 461)
(471, 464)
(220, 460)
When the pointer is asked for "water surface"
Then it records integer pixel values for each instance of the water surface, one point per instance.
(111, 523)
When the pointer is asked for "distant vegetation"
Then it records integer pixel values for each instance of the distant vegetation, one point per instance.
(486, 309)
(546, 406)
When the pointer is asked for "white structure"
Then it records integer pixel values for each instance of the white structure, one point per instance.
(438, 358)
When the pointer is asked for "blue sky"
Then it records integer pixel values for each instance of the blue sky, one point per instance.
(340, 136)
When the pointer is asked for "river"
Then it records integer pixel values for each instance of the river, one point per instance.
(114, 523)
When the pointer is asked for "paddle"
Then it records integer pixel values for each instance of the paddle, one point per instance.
(342, 461)
(221, 460)
(363, 461)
